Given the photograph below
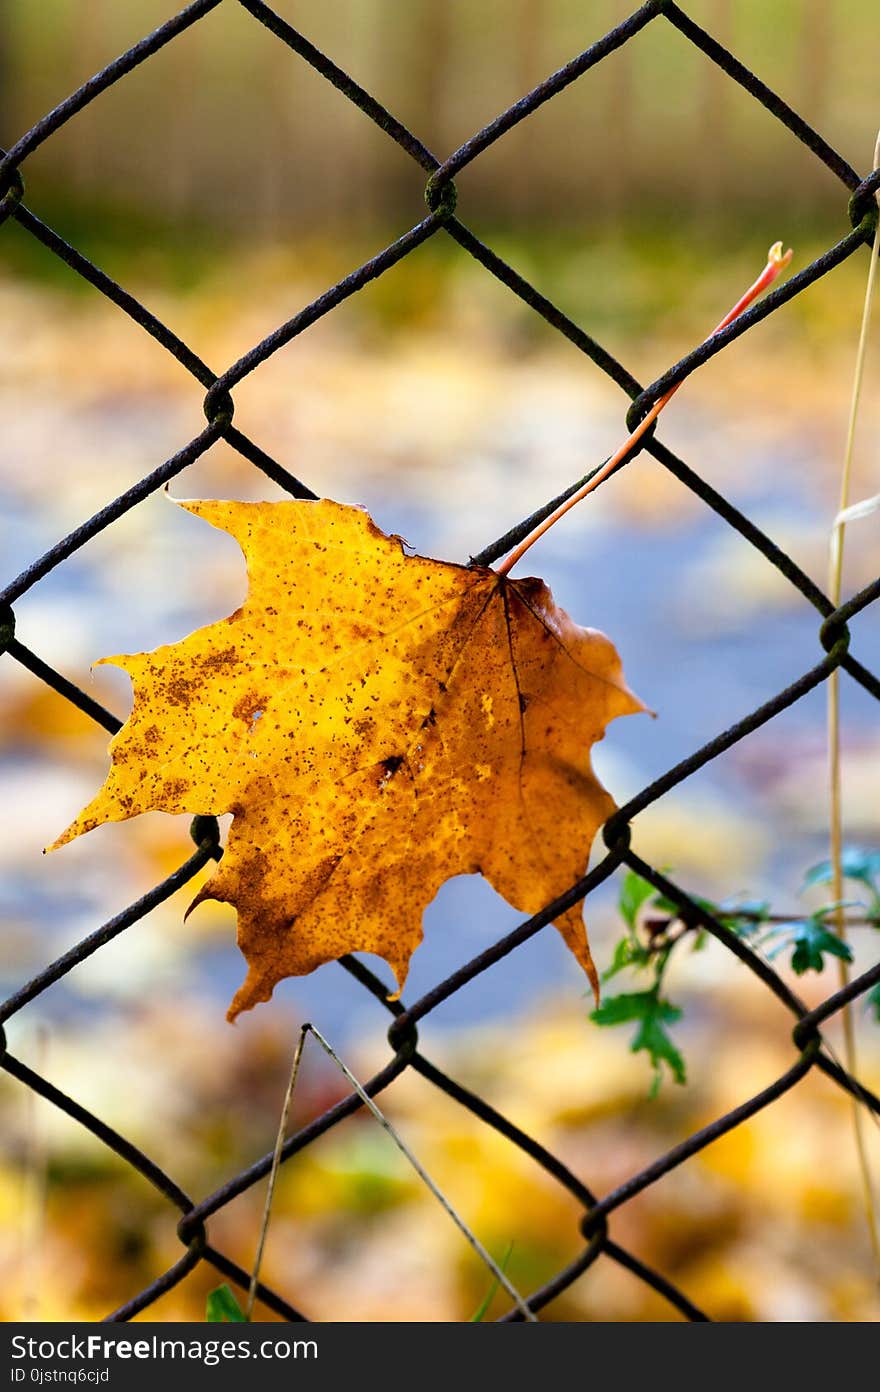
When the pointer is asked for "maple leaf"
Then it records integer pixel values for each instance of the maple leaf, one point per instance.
(376, 722)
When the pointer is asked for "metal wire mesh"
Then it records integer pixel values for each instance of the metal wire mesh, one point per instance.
(809, 1049)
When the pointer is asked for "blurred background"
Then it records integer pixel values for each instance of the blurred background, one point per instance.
(226, 185)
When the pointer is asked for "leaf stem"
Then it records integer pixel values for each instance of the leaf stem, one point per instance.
(835, 583)
(777, 260)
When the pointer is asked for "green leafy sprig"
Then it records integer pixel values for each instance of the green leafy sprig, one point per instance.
(655, 925)
(223, 1308)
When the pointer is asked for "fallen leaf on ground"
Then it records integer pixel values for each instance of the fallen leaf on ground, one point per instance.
(376, 722)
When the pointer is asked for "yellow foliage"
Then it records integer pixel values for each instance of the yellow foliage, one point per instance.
(376, 723)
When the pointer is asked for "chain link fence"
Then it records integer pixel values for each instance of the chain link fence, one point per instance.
(809, 1050)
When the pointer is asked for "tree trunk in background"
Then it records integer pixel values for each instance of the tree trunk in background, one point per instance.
(277, 169)
(429, 71)
(8, 132)
(263, 153)
(815, 67)
(620, 162)
(84, 33)
(410, 50)
(713, 118)
(182, 152)
(525, 186)
(815, 60)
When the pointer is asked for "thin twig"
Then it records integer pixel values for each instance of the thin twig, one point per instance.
(835, 581)
(276, 1161)
(657, 923)
(777, 260)
(497, 1271)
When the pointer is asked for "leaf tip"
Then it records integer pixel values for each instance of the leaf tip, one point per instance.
(199, 899)
(70, 833)
(777, 257)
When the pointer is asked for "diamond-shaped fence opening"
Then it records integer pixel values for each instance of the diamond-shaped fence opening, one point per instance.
(444, 217)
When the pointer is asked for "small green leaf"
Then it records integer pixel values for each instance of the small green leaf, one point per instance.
(653, 1038)
(634, 891)
(872, 1000)
(828, 909)
(810, 940)
(619, 1010)
(667, 906)
(753, 909)
(223, 1308)
(745, 917)
(627, 953)
(857, 864)
(477, 1316)
(652, 1014)
(818, 875)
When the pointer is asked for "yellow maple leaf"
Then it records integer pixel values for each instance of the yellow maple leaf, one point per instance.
(376, 722)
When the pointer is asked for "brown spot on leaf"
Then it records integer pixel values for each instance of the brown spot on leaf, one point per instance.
(249, 706)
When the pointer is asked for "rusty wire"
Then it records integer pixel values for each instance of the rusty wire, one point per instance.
(809, 1050)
